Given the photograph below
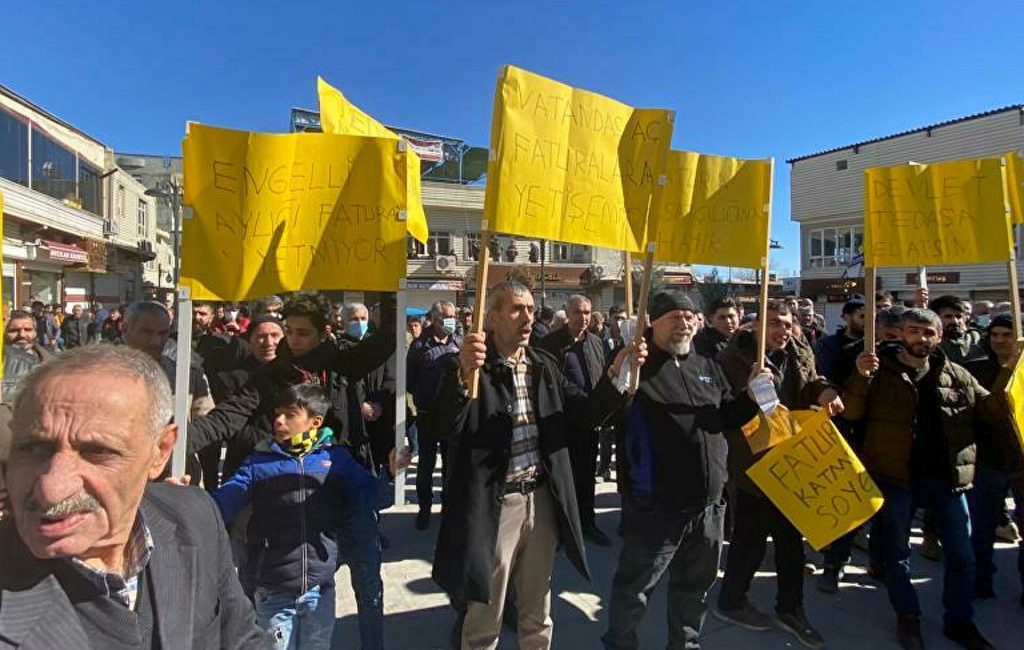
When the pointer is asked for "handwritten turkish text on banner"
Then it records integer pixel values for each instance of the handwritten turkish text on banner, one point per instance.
(571, 165)
(942, 213)
(277, 213)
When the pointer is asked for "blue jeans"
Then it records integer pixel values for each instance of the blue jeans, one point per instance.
(305, 622)
(988, 505)
(359, 548)
(954, 528)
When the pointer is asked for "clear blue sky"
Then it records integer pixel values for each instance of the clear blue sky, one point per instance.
(750, 79)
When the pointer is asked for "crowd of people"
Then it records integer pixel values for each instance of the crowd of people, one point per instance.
(291, 432)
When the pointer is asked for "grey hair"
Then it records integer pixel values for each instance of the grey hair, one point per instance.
(577, 299)
(115, 360)
(922, 317)
(435, 309)
(496, 294)
(350, 309)
(145, 307)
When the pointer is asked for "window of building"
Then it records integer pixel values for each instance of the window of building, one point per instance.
(439, 243)
(13, 148)
(559, 252)
(841, 165)
(90, 190)
(415, 249)
(53, 168)
(831, 247)
(119, 205)
(472, 246)
(143, 218)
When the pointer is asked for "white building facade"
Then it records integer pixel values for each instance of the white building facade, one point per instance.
(827, 192)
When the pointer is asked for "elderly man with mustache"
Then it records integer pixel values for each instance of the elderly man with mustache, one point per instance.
(94, 554)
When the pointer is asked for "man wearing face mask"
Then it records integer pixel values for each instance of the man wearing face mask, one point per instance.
(672, 473)
(426, 363)
(372, 399)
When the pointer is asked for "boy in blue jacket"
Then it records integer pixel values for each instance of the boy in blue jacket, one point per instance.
(306, 493)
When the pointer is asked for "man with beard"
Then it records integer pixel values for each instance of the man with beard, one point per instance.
(724, 320)
(97, 554)
(582, 358)
(75, 329)
(47, 329)
(798, 386)
(836, 354)
(919, 409)
(672, 476)
(1000, 464)
(960, 343)
(21, 351)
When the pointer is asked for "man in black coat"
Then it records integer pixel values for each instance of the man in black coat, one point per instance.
(582, 356)
(672, 474)
(723, 321)
(511, 499)
(94, 554)
(74, 331)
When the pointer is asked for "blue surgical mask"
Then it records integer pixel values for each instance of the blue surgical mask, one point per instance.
(357, 328)
(448, 325)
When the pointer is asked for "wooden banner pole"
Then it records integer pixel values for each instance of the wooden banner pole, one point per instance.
(641, 312)
(762, 310)
(869, 312)
(627, 281)
(482, 267)
(183, 371)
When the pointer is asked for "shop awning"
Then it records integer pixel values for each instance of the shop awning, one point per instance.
(66, 252)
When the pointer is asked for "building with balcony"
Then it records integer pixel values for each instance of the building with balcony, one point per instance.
(76, 227)
(827, 192)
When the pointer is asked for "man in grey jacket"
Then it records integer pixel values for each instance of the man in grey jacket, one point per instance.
(96, 556)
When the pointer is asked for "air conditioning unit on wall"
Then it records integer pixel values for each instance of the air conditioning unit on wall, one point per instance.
(444, 263)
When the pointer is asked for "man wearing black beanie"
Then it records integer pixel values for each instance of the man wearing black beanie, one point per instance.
(672, 473)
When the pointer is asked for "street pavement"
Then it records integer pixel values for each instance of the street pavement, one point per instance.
(418, 617)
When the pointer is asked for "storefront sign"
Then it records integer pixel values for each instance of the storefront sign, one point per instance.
(936, 278)
(66, 253)
(436, 285)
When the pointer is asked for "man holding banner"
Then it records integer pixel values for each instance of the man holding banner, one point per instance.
(918, 410)
(799, 386)
(672, 473)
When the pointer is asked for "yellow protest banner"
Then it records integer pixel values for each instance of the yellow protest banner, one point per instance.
(942, 213)
(766, 431)
(342, 117)
(712, 210)
(277, 213)
(571, 165)
(1015, 186)
(1015, 397)
(817, 481)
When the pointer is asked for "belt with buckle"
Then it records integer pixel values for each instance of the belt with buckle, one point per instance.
(525, 485)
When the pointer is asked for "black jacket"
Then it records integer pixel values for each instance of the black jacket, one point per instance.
(998, 447)
(198, 604)
(710, 342)
(675, 452)
(74, 331)
(378, 386)
(559, 342)
(479, 436)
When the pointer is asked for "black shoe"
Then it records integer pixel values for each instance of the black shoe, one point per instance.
(968, 636)
(876, 572)
(606, 475)
(796, 624)
(423, 520)
(931, 549)
(828, 581)
(908, 632)
(595, 535)
(748, 617)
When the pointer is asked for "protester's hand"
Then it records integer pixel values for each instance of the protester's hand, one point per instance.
(178, 480)
(473, 352)
(639, 351)
(758, 373)
(399, 459)
(921, 298)
(371, 411)
(867, 363)
(830, 400)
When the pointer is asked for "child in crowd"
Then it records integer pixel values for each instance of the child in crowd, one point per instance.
(306, 493)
